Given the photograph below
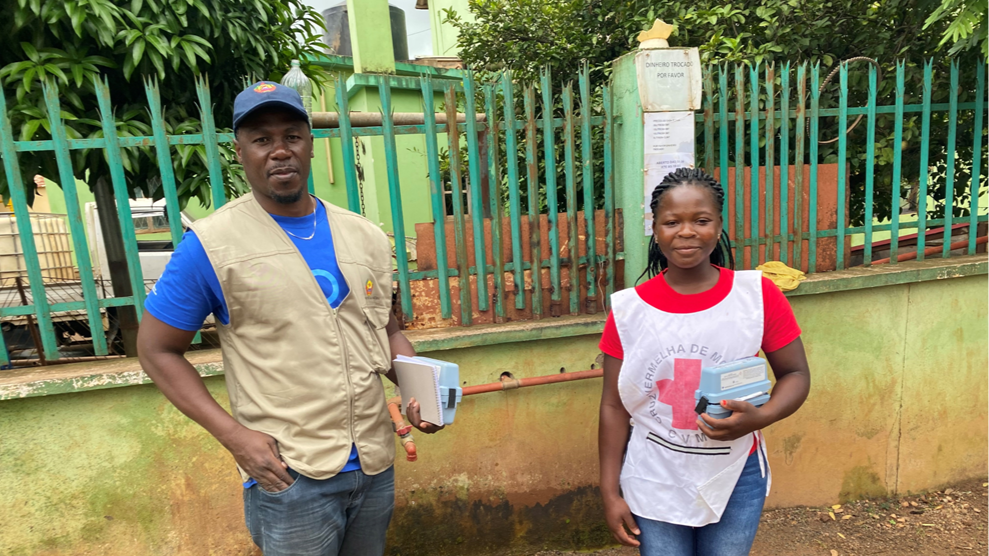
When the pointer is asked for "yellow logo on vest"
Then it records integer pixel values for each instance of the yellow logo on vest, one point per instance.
(369, 288)
(264, 88)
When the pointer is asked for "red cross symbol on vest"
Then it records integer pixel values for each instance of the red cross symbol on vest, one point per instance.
(679, 392)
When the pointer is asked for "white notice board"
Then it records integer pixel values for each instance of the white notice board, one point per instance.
(669, 144)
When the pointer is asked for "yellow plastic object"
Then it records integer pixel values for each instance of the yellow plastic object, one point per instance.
(784, 277)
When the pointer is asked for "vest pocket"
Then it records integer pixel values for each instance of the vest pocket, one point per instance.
(376, 319)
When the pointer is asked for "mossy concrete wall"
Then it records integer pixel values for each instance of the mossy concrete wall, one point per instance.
(898, 404)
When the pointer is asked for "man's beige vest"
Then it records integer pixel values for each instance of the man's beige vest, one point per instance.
(296, 369)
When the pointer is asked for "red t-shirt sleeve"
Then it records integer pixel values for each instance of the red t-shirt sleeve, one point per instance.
(611, 344)
(780, 326)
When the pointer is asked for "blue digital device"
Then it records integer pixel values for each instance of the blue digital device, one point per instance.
(745, 379)
(450, 391)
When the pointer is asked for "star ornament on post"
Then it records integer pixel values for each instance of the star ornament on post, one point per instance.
(656, 37)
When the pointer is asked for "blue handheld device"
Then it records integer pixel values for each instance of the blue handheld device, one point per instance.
(450, 391)
(744, 379)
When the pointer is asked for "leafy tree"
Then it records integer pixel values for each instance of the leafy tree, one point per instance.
(70, 44)
(967, 29)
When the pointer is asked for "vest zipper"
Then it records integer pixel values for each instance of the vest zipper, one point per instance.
(346, 372)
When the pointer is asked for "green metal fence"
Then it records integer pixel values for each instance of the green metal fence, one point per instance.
(500, 125)
(763, 213)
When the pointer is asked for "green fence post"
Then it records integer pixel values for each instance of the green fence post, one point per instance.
(573, 247)
(163, 152)
(870, 166)
(754, 228)
(587, 173)
(842, 153)
(494, 193)
(723, 138)
(18, 198)
(477, 200)
(949, 173)
(532, 177)
(895, 185)
(121, 194)
(347, 147)
(436, 192)
(798, 166)
(973, 215)
(552, 205)
(815, 107)
(76, 227)
(740, 239)
(925, 146)
(708, 120)
(514, 209)
(785, 164)
(210, 142)
(770, 156)
(609, 197)
(395, 198)
(459, 219)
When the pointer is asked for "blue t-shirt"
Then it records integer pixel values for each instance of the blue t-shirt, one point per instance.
(188, 291)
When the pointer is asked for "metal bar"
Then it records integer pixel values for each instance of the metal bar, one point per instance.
(552, 205)
(609, 199)
(532, 178)
(708, 120)
(980, 93)
(395, 198)
(494, 192)
(798, 181)
(870, 167)
(18, 198)
(949, 173)
(925, 146)
(770, 156)
(723, 138)
(120, 193)
(895, 185)
(436, 197)
(842, 154)
(785, 163)
(210, 142)
(347, 148)
(812, 216)
(477, 200)
(587, 173)
(74, 215)
(163, 152)
(739, 167)
(572, 243)
(459, 219)
(512, 167)
(754, 231)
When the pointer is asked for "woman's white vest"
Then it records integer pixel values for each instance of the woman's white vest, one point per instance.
(672, 471)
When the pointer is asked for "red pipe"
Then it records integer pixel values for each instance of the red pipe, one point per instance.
(513, 383)
(932, 250)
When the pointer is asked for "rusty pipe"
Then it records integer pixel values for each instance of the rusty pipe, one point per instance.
(403, 430)
(323, 120)
(910, 255)
(513, 383)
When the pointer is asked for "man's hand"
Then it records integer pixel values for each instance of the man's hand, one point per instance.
(745, 418)
(412, 412)
(257, 454)
(618, 517)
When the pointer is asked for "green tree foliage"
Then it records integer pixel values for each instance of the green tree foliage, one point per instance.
(69, 44)
(523, 36)
(967, 28)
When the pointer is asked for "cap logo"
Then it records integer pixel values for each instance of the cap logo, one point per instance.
(264, 88)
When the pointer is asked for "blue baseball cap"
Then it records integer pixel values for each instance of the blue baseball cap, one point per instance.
(267, 93)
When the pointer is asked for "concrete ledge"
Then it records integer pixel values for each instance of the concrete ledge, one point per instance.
(80, 377)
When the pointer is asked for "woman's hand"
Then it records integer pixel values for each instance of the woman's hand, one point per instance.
(618, 517)
(745, 418)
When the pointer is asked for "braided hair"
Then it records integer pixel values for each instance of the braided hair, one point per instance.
(722, 255)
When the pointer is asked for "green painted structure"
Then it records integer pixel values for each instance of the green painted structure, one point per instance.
(96, 461)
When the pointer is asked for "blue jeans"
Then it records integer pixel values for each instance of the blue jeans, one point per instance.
(732, 536)
(345, 515)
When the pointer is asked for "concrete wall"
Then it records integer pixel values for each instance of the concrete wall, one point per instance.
(898, 404)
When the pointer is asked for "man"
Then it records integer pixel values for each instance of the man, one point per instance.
(301, 292)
